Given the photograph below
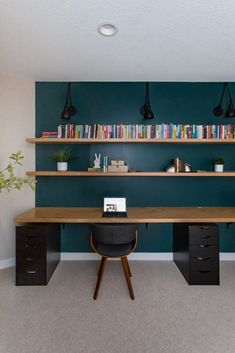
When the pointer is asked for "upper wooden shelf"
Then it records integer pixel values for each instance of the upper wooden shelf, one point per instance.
(129, 174)
(115, 140)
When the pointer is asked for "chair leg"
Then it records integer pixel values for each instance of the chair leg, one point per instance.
(100, 276)
(128, 267)
(101, 266)
(126, 272)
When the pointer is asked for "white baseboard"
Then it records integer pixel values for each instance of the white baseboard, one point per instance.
(7, 263)
(142, 256)
(68, 256)
(82, 256)
(78, 256)
(151, 256)
(137, 256)
(227, 256)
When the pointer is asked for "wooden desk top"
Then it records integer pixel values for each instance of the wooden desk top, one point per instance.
(135, 215)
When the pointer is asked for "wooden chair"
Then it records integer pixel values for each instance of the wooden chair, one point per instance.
(112, 241)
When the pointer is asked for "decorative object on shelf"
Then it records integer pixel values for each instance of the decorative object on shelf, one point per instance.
(171, 168)
(69, 110)
(62, 157)
(118, 166)
(8, 179)
(218, 164)
(117, 162)
(146, 110)
(229, 112)
(97, 161)
(178, 166)
(96, 170)
(105, 164)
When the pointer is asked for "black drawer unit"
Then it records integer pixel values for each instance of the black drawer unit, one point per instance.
(37, 253)
(196, 252)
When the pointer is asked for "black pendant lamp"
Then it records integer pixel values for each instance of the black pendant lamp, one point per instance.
(230, 111)
(69, 110)
(146, 110)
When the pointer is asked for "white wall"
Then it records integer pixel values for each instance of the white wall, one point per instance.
(17, 121)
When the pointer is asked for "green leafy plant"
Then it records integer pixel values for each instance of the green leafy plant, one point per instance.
(62, 155)
(8, 179)
(218, 160)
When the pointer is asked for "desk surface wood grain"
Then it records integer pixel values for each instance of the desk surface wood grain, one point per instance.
(135, 215)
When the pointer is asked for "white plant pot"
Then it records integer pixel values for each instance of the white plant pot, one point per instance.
(218, 168)
(62, 166)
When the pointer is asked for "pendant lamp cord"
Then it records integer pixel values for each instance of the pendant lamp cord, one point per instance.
(70, 96)
(147, 94)
(230, 97)
(222, 95)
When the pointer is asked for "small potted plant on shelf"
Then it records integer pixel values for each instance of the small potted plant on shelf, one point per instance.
(218, 164)
(62, 157)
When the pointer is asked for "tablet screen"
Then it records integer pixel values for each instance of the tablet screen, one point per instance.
(114, 204)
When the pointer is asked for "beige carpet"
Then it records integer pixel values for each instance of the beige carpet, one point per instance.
(167, 315)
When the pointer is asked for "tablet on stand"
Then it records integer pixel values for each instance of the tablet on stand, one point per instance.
(114, 207)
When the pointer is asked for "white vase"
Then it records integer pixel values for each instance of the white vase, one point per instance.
(62, 166)
(218, 168)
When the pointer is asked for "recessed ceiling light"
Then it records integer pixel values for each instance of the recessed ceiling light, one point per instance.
(107, 29)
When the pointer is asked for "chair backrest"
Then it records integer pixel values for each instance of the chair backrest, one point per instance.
(114, 233)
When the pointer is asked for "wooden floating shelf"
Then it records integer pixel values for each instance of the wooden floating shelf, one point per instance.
(129, 174)
(116, 140)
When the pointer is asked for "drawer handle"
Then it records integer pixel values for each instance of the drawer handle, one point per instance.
(31, 235)
(205, 236)
(203, 271)
(31, 272)
(30, 246)
(29, 259)
(203, 258)
(204, 245)
(204, 227)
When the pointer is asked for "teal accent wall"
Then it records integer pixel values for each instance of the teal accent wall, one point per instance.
(114, 103)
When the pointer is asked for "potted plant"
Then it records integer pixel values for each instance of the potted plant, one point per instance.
(62, 157)
(9, 180)
(218, 164)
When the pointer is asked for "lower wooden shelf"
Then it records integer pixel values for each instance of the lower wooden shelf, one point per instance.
(129, 174)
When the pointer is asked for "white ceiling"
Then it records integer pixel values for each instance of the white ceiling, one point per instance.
(158, 40)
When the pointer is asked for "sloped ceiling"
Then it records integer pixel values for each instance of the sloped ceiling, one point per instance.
(158, 40)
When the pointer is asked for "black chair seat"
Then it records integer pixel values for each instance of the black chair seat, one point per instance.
(111, 250)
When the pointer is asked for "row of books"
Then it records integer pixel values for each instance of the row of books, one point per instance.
(138, 131)
(51, 134)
